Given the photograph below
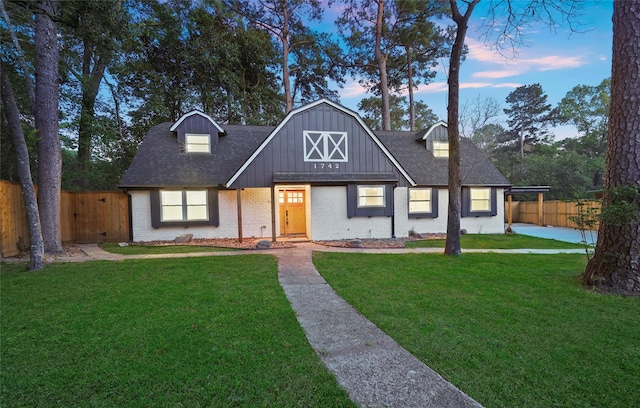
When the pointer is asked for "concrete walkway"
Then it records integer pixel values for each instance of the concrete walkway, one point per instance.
(371, 366)
(374, 369)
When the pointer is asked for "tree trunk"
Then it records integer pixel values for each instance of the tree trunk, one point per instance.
(46, 117)
(616, 262)
(285, 62)
(90, 86)
(412, 108)
(452, 244)
(24, 172)
(381, 60)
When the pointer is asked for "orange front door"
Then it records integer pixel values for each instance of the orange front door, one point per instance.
(293, 220)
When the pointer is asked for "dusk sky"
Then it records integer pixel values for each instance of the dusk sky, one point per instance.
(558, 61)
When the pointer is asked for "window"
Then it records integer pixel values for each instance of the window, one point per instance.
(370, 196)
(440, 149)
(325, 146)
(369, 200)
(480, 199)
(420, 200)
(188, 205)
(423, 202)
(296, 197)
(479, 202)
(195, 143)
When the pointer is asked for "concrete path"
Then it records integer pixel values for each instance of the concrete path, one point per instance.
(371, 366)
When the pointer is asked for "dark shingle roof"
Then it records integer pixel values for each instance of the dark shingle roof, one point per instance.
(428, 170)
(159, 163)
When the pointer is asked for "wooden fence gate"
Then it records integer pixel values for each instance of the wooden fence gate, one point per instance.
(85, 217)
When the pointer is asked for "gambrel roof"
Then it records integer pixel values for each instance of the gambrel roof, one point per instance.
(161, 163)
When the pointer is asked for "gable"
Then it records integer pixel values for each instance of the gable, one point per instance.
(198, 124)
(436, 134)
(319, 143)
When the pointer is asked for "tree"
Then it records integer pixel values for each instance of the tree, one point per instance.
(529, 116)
(371, 109)
(232, 66)
(615, 265)
(452, 243)
(477, 113)
(392, 45)
(423, 42)
(512, 34)
(46, 119)
(486, 137)
(12, 113)
(92, 33)
(587, 108)
(306, 56)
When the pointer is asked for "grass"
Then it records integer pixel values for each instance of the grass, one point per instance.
(173, 332)
(498, 241)
(158, 249)
(511, 331)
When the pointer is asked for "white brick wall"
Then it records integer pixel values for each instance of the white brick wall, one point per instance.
(431, 225)
(256, 214)
(473, 225)
(486, 225)
(329, 219)
(401, 211)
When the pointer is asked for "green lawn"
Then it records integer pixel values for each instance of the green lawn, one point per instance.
(498, 241)
(509, 330)
(215, 332)
(158, 249)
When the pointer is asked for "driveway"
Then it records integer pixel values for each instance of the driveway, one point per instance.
(558, 233)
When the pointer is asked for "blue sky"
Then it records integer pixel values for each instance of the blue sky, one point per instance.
(558, 61)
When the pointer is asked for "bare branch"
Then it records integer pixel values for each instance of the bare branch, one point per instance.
(23, 63)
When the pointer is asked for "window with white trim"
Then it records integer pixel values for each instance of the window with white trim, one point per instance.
(185, 205)
(197, 143)
(419, 200)
(329, 147)
(440, 149)
(480, 199)
(371, 196)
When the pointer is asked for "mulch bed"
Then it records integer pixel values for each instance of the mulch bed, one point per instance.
(73, 251)
(379, 243)
(249, 243)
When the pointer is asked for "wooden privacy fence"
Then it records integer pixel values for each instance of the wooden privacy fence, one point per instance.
(556, 213)
(84, 217)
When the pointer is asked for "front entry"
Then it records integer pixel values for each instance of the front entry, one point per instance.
(293, 220)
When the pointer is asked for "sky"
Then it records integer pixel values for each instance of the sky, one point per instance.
(557, 61)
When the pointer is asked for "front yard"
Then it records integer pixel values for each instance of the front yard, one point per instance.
(206, 331)
(509, 330)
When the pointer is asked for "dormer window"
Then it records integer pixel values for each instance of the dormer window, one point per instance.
(197, 143)
(440, 149)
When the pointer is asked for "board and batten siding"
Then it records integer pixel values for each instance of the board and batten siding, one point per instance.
(200, 125)
(285, 152)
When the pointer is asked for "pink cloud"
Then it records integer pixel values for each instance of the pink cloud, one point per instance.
(497, 74)
(507, 85)
(552, 62)
(352, 89)
(465, 85)
(433, 87)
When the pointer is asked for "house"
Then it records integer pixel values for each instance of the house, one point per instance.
(320, 174)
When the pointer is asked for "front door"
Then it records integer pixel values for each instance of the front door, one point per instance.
(293, 219)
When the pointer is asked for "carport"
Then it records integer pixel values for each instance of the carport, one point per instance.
(540, 190)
